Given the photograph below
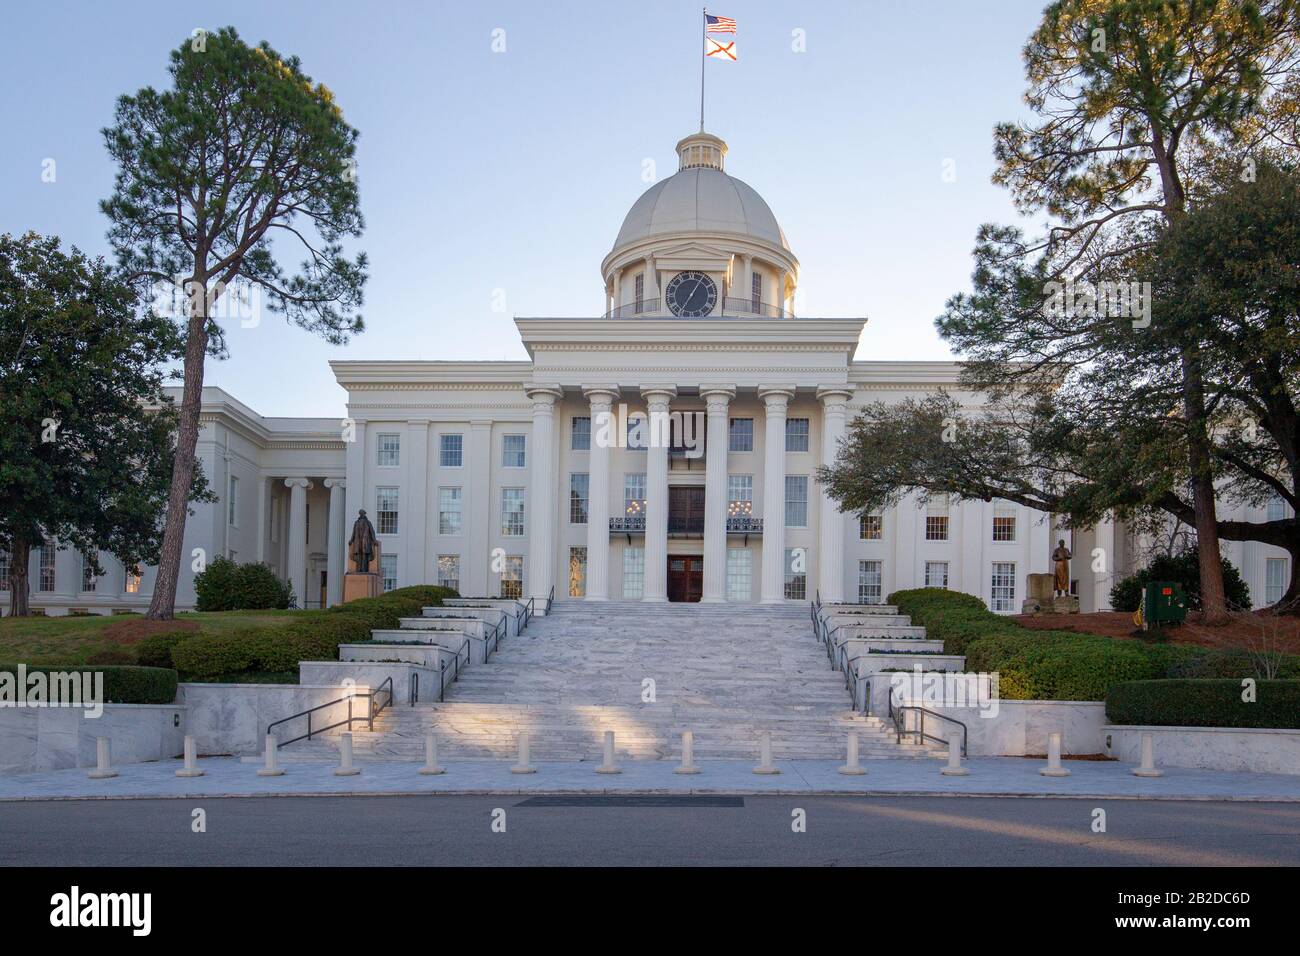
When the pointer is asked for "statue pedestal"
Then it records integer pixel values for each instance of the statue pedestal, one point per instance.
(358, 584)
(1065, 604)
(1039, 593)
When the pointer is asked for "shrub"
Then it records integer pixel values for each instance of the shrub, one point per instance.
(1204, 703)
(122, 684)
(226, 586)
(1185, 569)
(156, 650)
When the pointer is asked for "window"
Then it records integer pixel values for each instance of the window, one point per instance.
(936, 519)
(1274, 580)
(1004, 522)
(449, 571)
(388, 570)
(88, 576)
(634, 495)
(46, 579)
(633, 572)
(870, 579)
(638, 432)
(448, 511)
(796, 501)
(740, 434)
(639, 288)
(230, 502)
(512, 451)
(1003, 592)
(936, 574)
(577, 572)
(389, 445)
(386, 510)
(579, 485)
(512, 577)
(796, 434)
(870, 527)
(755, 291)
(132, 584)
(581, 439)
(740, 574)
(512, 512)
(1276, 511)
(740, 496)
(451, 450)
(4, 570)
(796, 574)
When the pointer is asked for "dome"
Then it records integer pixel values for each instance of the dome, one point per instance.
(700, 197)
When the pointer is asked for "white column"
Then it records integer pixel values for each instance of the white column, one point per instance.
(478, 517)
(604, 435)
(651, 280)
(541, 491)
(775, 398)
(1104, 578)
(415, 517)
(717, 400)
(298, 537)
(618, 289)
(355, 458)
(263, 493)
(657, 399)
(830, 558)
(780, 291)
(336, 563)
(746, 290)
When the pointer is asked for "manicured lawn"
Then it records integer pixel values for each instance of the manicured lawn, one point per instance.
(76, 640)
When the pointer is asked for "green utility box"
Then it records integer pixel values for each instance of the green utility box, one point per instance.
(1164, 603)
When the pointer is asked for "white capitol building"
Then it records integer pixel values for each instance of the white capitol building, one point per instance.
(513, 478)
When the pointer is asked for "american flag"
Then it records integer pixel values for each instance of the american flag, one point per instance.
(714, 24)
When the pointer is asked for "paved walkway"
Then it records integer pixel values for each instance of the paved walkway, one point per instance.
(989, 776)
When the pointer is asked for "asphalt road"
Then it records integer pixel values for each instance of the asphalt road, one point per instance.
(433, 830)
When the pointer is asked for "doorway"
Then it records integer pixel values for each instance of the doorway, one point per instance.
(685, 577)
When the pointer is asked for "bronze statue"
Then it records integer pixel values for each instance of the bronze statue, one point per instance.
(361, 546)
(1061, 556)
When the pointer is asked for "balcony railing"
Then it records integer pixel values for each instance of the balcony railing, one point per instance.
(688, 525)
(728, 308)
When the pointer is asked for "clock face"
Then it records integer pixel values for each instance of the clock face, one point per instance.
(691, 294)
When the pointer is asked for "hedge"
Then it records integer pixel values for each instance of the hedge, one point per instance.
(303, 636)
(1058, 665)
(122, 685)
(1204, 703)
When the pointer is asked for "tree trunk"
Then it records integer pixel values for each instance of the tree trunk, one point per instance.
(1214, 606)
(162, 606)
(20, 554)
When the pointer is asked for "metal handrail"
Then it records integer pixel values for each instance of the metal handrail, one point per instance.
(373, 711)
(896, 715)
(851, 679)
(550, 599)
(414, 695)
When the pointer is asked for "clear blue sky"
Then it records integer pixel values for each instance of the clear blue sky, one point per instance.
(482, 171)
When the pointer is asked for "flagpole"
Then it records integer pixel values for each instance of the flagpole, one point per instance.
(705, 24)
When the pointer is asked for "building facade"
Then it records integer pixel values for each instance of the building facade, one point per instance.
(665, 450)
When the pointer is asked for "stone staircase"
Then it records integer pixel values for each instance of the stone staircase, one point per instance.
(726, 672)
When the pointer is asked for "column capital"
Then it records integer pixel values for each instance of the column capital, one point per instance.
(298, 483)
(831, 395)
(776, 396)
(544, 394)
(720, 391)
(659, 393)
(601, 394)
(333, 483)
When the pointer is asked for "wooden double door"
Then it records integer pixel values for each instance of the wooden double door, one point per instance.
(685, 577)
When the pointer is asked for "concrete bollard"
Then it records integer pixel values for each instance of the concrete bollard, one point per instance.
(852, 768)
(431, 755)
(1148, 768)
(270, 769)
(954, 768)
(688, 754)
(345, 768)
(190, 769)
(765, 764)
(609, 766)
(102, 769)
(523, 766)
(1054, 768)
